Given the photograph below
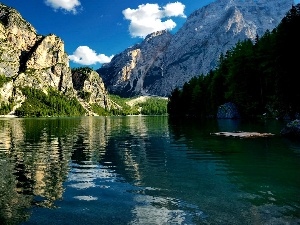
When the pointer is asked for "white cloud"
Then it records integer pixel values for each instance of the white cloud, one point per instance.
(174, 9)
(68, 5)
(148, 18)
(85, 56)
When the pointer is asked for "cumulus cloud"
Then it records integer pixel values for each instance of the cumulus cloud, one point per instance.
(68, 5)
(85, 56)
(174, 9)
(148, 18)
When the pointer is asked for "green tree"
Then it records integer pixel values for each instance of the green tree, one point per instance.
(287, 69)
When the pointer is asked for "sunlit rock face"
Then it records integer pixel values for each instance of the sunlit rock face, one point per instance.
(30, 59)
(17, 37)
(195, 48)
(36, 61)
(46, 65)
(128, 72)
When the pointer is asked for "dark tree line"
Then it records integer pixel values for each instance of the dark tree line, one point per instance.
(259, 77)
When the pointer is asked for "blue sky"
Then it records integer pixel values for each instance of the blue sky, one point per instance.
(95, 30)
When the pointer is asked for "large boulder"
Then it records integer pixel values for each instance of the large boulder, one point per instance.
(228, 111)
(292, 129)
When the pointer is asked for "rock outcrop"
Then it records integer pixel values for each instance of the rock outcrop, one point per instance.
(31, 60)
(90, 87)
(195, 48)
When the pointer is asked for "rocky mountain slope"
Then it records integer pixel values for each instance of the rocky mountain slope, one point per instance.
(126, 74)
(167, 61)
(31, 60)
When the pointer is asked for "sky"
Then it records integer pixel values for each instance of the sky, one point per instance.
(94, 31)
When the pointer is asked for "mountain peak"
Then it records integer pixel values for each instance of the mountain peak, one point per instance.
(197, 45)
(155, 34)
(9, 17)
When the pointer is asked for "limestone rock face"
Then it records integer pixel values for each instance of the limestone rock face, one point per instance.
(196, 47)
(6, 91)
(40, 62)
(48, 46)
(17, 37)
(46, 65)
(30, 59)
(128, 72)
(18, 31)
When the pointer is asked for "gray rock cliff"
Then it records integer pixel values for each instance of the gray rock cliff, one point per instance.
(195, 48)
(128, 72)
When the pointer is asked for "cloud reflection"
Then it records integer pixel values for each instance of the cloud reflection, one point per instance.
(86, 198)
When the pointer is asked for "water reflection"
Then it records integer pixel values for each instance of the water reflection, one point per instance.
(36, 154)
(42, 159)
(160, 210)
(144, 170)
(265, 170)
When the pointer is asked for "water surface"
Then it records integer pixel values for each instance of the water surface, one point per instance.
(146, 170)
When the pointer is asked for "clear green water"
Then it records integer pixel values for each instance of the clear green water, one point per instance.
(146, 170)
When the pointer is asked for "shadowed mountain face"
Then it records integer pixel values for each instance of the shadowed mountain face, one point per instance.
(164, 61)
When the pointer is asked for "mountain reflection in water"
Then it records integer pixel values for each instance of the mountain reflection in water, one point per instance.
(145, 170)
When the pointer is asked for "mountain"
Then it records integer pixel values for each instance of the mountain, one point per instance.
(164, 61)
(29, 60)
(126, 74)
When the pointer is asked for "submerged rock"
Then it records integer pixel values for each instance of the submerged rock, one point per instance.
(242, 134)
(292, 129)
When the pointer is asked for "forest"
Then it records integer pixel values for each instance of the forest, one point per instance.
(260, 77)
(152, 106)
(39, 104)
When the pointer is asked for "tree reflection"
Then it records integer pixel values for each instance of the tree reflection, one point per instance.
(34, 163)
(12, 203)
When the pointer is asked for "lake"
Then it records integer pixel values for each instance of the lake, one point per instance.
(146, 170)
